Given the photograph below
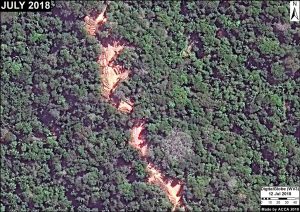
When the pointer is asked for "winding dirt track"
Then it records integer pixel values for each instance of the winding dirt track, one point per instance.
(111, 76)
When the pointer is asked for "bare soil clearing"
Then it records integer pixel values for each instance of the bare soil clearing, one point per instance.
(173, 188)
(111, 75)
(92, 25)
(136, 141)
(125, 106)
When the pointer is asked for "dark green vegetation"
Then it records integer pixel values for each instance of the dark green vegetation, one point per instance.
(235, 93)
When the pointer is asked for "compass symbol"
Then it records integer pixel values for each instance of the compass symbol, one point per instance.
(294, 10)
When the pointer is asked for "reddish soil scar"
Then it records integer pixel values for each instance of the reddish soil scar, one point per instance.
(111, 75)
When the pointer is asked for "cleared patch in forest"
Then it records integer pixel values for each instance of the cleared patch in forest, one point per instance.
(111, 75)
(173, 188)
(137, 141)
(92, 24)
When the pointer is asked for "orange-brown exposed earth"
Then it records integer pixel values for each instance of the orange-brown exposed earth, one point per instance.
(91, 24)
(110, 53)
(111, 75)
(172, 188)
(125, 106)
(110, 78)
(136, 140)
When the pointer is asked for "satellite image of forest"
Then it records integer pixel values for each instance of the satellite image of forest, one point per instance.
(149, 105)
